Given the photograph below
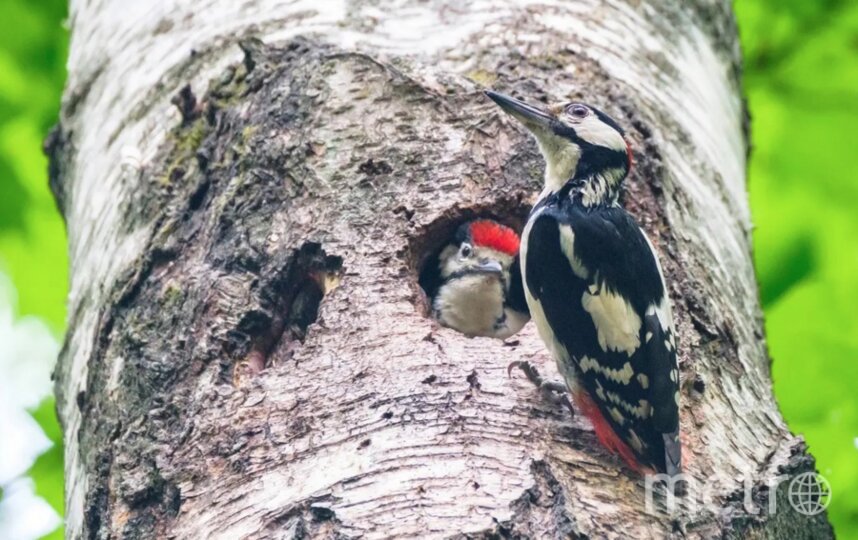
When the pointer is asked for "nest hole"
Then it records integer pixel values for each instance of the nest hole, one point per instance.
(427, 246)
(313, 274)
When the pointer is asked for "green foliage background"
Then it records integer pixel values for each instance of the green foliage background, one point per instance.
(801, 79)
(33, 50)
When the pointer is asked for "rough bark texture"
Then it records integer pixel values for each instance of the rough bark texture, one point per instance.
(214, 195)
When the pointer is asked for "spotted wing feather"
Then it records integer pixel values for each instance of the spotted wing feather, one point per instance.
(630, 384)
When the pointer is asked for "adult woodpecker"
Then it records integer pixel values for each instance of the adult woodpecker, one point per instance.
(595, 288)
(481, 289)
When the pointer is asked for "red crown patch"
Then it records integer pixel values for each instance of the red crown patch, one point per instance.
(486, 233)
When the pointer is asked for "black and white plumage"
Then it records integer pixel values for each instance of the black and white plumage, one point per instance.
(595, 289)
(480, 291)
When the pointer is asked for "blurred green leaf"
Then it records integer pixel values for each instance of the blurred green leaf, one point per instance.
(14, 200)
(49, 485)
(801, 78)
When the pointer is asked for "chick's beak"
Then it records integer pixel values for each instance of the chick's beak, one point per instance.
(532, 117)
(490, 266)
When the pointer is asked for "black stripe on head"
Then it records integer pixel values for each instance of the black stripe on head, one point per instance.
(471, 271)
(607, 120)
(596, 158)
(562, 130)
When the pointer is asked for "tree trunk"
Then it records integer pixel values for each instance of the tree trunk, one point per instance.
(214, 196)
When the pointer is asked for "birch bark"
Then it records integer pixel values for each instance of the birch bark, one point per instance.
(208, 186)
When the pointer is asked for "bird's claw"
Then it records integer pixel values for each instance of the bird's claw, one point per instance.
(552, 391)
(529, 370)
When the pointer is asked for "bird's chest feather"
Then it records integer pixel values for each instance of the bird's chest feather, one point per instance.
(473, 304)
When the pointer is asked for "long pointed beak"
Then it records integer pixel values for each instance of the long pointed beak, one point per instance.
(532, 117)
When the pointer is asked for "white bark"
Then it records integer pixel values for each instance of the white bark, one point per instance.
(462, 451)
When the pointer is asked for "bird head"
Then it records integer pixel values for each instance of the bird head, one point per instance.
(476, 271)
(480, 247)
(578, 142)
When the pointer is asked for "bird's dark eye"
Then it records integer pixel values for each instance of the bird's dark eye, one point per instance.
(576, 110)
(466, 250)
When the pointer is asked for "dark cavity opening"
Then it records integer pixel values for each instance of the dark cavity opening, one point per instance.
(311, 275)
(428, 244)
(289, 304)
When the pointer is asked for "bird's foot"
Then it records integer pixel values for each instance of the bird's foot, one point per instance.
(553, 391)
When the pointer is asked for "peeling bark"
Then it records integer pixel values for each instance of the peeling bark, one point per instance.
(249, 352)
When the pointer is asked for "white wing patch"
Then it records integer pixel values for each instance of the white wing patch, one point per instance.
(617, 415)
(622, 376)
(617, 324)
(567, 246)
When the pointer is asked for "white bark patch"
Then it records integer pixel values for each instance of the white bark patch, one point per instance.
(617, 324)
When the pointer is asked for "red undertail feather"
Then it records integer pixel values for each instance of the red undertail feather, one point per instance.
(605, 433)
(494, 235)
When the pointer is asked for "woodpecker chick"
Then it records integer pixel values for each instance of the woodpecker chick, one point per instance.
(481, 291)
(595, 289)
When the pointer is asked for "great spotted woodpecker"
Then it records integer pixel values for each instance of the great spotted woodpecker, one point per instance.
(481, 289)
(595, 288)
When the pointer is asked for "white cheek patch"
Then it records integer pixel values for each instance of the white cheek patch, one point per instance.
(617, 324)
(594, 131)
(561, 159)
